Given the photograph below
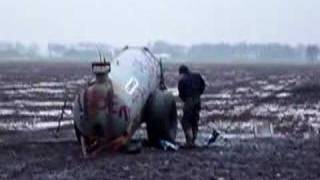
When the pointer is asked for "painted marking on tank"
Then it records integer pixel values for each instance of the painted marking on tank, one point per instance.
(131, 85)
(122, 111)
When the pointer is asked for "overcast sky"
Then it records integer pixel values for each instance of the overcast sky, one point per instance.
(138, 22)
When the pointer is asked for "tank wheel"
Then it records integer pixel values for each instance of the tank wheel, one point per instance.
(161, 117)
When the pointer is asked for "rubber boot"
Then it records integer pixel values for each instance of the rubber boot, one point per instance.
(189, 138)
(195, 134)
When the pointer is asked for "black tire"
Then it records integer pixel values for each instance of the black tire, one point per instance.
(161, 117)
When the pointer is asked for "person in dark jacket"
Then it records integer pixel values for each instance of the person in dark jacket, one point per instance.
(191, 86)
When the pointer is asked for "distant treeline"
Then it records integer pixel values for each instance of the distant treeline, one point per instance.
(238, 52)
(18, 50)
(206, 52)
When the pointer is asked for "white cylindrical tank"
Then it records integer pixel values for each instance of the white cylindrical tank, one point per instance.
(112, 106)
(135, 74)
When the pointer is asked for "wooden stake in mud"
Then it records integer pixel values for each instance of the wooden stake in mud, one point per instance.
(62, 113)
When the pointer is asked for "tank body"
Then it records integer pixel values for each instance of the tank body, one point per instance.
(134, 75)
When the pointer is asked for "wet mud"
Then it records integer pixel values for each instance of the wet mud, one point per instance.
(268, 117)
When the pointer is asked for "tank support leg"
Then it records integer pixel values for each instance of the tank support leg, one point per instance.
(83, 147)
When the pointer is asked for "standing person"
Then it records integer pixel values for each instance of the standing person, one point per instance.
(191, 86)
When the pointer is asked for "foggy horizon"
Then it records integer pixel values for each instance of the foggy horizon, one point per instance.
(187, 22)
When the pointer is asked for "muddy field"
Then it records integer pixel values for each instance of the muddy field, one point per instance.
(268, 115)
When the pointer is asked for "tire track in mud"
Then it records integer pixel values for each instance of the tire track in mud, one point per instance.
(36, 101)
(259, 101)
(29, 98)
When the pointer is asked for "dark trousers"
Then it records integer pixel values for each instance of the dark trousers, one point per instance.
(190, 118)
